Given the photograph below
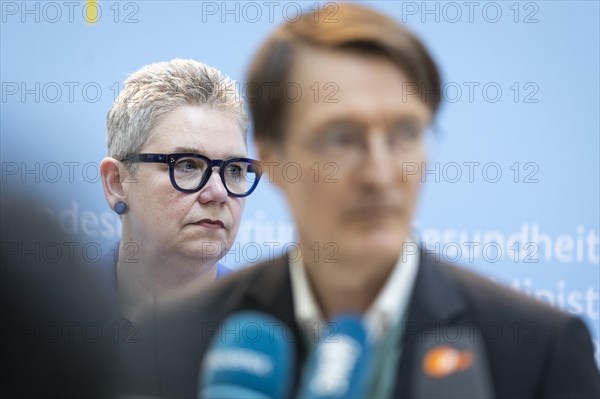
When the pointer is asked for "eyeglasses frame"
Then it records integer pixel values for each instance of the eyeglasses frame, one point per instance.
(171, 159)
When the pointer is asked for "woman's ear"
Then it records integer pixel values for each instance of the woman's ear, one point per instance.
(112, 181)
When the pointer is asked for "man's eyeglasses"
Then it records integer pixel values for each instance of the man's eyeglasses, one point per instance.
(190, 172)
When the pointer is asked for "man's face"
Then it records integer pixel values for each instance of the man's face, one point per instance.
(186, 225)
(359, 141)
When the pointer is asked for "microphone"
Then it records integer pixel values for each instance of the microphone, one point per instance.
(249, 358)
(339, 365)
(456, 368)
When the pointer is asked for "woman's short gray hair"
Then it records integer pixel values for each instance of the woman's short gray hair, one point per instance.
(159, 88)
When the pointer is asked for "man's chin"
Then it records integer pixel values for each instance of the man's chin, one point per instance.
(381, 246)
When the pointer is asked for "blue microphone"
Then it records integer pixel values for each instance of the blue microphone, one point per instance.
(250, 357)
(339, 365)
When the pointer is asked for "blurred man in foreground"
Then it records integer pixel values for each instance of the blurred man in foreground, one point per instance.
(380, 91)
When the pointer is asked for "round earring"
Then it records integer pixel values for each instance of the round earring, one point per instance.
(120, 208)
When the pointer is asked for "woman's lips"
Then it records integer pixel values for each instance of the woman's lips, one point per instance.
(210, 224)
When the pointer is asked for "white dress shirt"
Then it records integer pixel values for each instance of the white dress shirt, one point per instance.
(385, 311)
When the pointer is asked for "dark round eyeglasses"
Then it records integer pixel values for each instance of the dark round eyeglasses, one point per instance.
(189, 172)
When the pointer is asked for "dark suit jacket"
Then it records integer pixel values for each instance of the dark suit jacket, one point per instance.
(535, 351)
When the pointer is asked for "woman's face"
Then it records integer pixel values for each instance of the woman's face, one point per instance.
(200, 225)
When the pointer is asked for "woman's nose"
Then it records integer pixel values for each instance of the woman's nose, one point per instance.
(214, 190)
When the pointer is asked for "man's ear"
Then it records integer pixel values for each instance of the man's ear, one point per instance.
(270, 155)
(112, 181)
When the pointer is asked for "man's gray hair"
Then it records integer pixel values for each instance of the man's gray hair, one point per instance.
(159, 88)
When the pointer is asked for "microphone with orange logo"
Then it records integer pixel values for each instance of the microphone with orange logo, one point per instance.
(456, 369)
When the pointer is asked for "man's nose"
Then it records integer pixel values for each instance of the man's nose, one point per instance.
(379, 168)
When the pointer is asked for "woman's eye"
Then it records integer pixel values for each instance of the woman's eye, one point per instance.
(234, 170)
(187, 165)
(190, 165)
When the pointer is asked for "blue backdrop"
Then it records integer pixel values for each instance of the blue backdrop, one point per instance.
(512, 189)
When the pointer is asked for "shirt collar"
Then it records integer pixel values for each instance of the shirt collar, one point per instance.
(385, 311)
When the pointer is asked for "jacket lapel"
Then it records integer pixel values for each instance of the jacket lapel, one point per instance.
(272, 294)
(437, 300)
